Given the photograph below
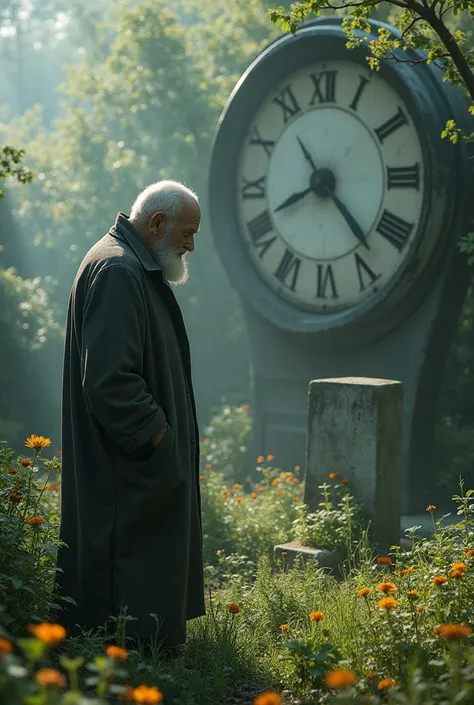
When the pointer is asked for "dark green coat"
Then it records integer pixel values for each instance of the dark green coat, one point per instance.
(131, 515)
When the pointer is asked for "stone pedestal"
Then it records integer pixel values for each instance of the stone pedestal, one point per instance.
(355, 430)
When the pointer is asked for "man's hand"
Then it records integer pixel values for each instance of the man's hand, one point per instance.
(158, 437)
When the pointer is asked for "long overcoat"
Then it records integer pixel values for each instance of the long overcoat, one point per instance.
(130, 514)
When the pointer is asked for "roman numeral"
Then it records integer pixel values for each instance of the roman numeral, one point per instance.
(403, 176)
(364, 272)
(289, 267)
(258, 228)
(395, 122)
(256, 138)
(324, 87)
(326, 282)
(359, 91)
(394, 229)
(287, 102)
(253, 189)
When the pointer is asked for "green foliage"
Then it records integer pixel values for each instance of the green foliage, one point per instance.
(225, 443)
(11, 166)
(27, 552)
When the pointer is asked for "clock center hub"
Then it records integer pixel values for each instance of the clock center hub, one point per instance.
(322, 182)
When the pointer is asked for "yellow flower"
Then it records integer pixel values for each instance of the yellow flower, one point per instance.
(147, 695)
(412, 595)
(364, 592)
(267, 698)
(430, 508)
(316, 616)
(384, 560)
(387, 603)
(387, 587)
(117, 653)
(5, 647)
(406, 571)
(50, 677)
(234, 609)
(270, 458)
(453, 631)
(439, 580)
(36, 521)
(333, 475)
(297, 468)
(37, 442)
(386, 683)
(468, 551)
(284, 627)
(260, 459)
(340, 679)
(48, 633)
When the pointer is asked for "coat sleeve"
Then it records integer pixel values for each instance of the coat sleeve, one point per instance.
(112, 336)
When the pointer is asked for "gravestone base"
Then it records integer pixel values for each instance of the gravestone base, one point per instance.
(294, 553)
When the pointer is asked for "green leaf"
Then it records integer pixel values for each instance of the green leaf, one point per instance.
(34, 649)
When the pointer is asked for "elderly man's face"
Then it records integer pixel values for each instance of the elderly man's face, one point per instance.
(172, 241)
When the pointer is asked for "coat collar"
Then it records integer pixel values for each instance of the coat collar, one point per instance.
(124, 230)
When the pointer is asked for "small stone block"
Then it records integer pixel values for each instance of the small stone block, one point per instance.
(295, 551)
(355, 430)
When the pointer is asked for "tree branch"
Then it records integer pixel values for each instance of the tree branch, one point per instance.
(454, 51)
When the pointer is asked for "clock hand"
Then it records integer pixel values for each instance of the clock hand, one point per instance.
(350, 220)
(294, 198)
(307, 155)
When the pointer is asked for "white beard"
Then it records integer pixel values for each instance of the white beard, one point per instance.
(174, 265)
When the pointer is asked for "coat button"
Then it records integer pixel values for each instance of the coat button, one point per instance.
(127, 444)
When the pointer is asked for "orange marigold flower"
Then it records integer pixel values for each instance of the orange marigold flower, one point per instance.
(15, 497)
(412, 595)
(460, 567)
(234, 609)
(149, 695)
(37, 442)
(419, 610)
(284, 553)
(387, 586)
(316, 616)
(384, 560)
(340, 679)
(245, 407)
(268, 698)
(387, 603)
(238, 500)
(254, 495)
(406, 571)
(370, 675)
(202, 477)
(345, 482)
(48, 633)
(279, 494)
(294, 480)
(430, 508)
(275, 482)
(208, 466)
(225, 495)
(6, 647)
(117, 653)
(52, 487)
(36, 521)
(270, 458)
(454, 631)
(333, 475)
(439, 580)
(260, 488)
(25, 462)
(364, 592)
(50, 677)
(469, 552)
(284, 627)
(236, 487)
(260, 459)
(386, 683)
(12, 471)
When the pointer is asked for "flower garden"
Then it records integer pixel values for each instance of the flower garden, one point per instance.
(396, 628)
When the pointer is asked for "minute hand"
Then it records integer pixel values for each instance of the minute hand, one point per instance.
(350, 220)
(294, 198)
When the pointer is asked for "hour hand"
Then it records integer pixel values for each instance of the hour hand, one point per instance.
(294, 198)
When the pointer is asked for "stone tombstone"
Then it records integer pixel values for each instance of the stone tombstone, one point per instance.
(355, 430)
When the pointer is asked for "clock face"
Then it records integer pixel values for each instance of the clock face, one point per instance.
(330, 186)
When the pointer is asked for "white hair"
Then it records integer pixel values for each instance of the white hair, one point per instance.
(167, 196)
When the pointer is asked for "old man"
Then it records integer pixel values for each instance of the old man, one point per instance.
(130, 504)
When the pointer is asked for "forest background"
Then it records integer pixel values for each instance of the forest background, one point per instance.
(106, 98)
